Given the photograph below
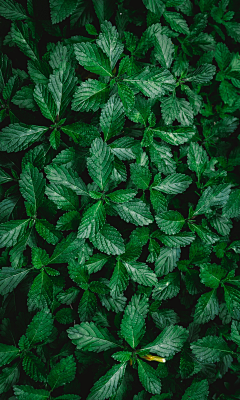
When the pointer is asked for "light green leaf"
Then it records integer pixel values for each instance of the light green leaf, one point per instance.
(40, 257)
(61, 9)
(203, 74)
(92, 58)
(175, 108)
(122, 195)
(169, 342)
(59, 174)
(90, 95)
(167, 260)
(17, 137)
(119, 279)
(64, 197)
(108, 384)
(217, 195)
(45, 101)
(164, 50)
(174, 184)
(126, 95)
(92, 221)
(134, 211)
(12, 231)
(181, 239)
(176, 21)
(88, 336)
(132, 326)
(62, 373)
(207, 307)
(32, 186)
(96, 262)
(109, 240)
(8, 354)
(112, 118)
(205, 234)
(170, 222)
(210, 349)
(40, 328)
(174, 135)
(20, 36)
(211, 275)
(24, 98)
(100, 163)
(122, 148)
(122, 356)
(139, 272)
(197, 158)
(148, 377)
(231, 208)
(167, 288)
(109, 43)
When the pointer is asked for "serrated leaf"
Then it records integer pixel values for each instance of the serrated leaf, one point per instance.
(45, 101)
(40, 295)
(112, 117)
(167, 260)
(109, 43)
(90, 95)
(232, 298)
(96, 262)
(10, 278)
(156, 6)
(88, 336)
(140, 273)
(32, 186)
(222, 55)
(92, 59)
(17, 137)
(61, 9)
(81, 133)
(176, 21)
(20, 36)
(40, 328)
(205, 234)
(197, 159)
(203, 74)
(11, 10)
(174, 184)
(164, 50)
(132, 326)
(134, 211)
(181, 239)
(122, 356)
(197, 391)
(119, 279)
(64, 197)
(34, 367)
(26, 392)
(12, 231)
(174, 135)
(122, 195)
(92, 221)
(169, 342)
(170, 222)
(148, 377)
(87, 306)
(62, 373)
(60, 174)
(211, 275)
(217, 195)
(140, 175)
(168, 287)
(100, 163)
(7, 354)
(9, 377)
(109, 240)
(207, 307)
(108, 383)
(231, 208)
(210, 349)
(175, 108)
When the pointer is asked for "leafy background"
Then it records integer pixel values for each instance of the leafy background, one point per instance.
(120, 199)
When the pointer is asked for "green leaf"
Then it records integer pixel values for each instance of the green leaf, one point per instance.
(134, 211)
(140, 175)
(197, 391)
(45, 101)
(9, 377)
(90, 95)
(233, 30)
(217, 195)
(153, 82)
(92, 221)
(4, 177)
(81, 133)
(17, 137)
(174, 184)
(174, 135)
(119, 279)
(40, 328)
(181, 239)
(228, 93)
(87, 306)
(92, 59)
(11, 10)
(140, 273)
(169, 342)
(123, 148)
(32, 186)
(20, 36)
(24, 98)
(175, 108)
(40, 295)
(100, 163)
(109, 42)
(25, 392)
(61, 9)
(96, 262)
(132, 326)
(12, 231)
(232, 298)
(211, 275)
(122, 195)
(197, 159)
(205, 234)
(112, 118)
(64, 197)
(88, 336)
(222, 56)
(207, 307)
(170, 222)
(210, 349)
(231, 208)
(10, 278)
(34, 367)
(167, 260)
(203, 74)
(164, 50)
(126, 95)
(62, 373)
(7, 354)
(109, 240)
(122, 356)
(60, 174)
(235, 332)
(168, 287)
(62, 86)
(177, 22)
(40, 257)
(156, 6)
(148, 377)
(103, 9)
(108, 384)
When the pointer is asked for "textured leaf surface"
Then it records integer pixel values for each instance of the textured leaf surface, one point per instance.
(148, 377)
(17, 137)
(132, 326)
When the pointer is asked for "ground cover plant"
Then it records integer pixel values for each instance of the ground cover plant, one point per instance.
(119, 200)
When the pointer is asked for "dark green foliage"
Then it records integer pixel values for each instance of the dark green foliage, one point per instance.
(119, 200)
